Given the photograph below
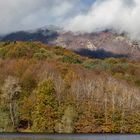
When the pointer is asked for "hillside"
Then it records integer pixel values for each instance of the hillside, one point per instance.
(103, 44)
(44, 88)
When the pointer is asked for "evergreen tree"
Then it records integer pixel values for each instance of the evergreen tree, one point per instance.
(44, 115)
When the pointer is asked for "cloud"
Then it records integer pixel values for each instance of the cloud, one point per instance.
(28, 14)
(119, 15)
(74, 15)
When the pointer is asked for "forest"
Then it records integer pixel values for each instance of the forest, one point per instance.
(50, 89)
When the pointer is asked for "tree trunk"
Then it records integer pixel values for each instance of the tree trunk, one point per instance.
(11, 114)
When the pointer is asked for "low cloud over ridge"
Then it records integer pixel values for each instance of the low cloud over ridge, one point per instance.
(74, 15)
(119, 15)
(27, 14)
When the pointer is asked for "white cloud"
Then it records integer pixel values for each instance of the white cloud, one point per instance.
(27, 14)
(120, 15)
(75, 15)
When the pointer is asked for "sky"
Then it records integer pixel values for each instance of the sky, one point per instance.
(74, 15)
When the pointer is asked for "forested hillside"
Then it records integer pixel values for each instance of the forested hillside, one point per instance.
(50, 89)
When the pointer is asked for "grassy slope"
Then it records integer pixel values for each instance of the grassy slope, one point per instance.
(120, 68)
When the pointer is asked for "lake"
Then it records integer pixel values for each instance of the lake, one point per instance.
(67, 137)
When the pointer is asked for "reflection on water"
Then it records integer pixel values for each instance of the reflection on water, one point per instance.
(67, 137)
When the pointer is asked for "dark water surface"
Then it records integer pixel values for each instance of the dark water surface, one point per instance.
(67, 137)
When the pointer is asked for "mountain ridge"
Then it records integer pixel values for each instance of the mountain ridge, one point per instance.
(108, 41)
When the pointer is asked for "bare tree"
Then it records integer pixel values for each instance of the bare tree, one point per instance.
(11, 90)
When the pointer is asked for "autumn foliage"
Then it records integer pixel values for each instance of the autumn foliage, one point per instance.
(49, 89)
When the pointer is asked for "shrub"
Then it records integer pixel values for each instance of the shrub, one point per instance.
(137, 82)
(111, 60)
(42, 54)
(71, 60)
